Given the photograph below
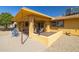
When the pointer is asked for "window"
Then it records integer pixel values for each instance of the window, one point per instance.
(58, 23)
(53, 23)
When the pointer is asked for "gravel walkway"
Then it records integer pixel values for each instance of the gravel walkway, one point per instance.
(13, 44)
(65, 44)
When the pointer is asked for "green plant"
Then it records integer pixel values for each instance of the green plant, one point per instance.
(5, 19)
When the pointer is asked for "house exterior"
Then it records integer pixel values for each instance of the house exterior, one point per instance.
(32, 22)
(70, 24)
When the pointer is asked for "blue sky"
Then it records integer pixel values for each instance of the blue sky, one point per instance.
(48, 10)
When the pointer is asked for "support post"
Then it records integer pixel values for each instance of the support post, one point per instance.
(31, 25)
(21, 33)
(47, 26)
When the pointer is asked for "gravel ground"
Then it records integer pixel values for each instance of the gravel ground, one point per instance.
(13, 44)
(65, 44)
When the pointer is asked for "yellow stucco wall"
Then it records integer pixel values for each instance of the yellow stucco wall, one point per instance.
(47, 41)
(70, 25)
(47, 26)
(39, 38)
(54, 37)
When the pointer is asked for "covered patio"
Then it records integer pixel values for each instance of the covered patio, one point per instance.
(34, 24)
(32, 21)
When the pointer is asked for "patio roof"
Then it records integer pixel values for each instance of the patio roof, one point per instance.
(24, 12)
(32, 12)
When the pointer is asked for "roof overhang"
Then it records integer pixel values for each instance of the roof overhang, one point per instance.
(27, 12)
(32, 12)
(67, 17)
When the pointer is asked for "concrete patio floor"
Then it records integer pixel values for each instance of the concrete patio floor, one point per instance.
(47, 33)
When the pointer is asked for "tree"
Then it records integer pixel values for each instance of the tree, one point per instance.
(72, 11)
(68, 11)
(5, 19)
